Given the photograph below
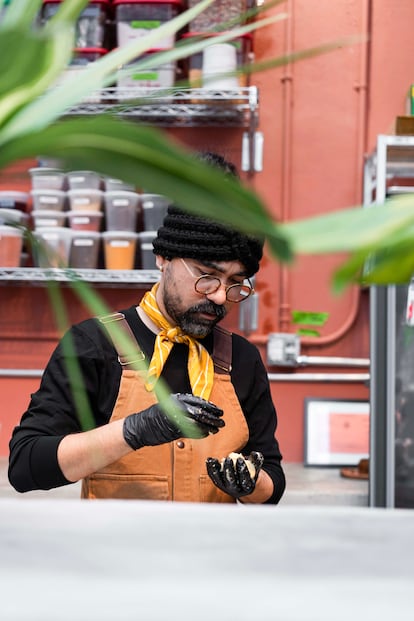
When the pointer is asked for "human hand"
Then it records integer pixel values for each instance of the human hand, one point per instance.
(152, 426)
(236, 475)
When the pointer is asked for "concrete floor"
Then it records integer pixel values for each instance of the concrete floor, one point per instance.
(304, 486)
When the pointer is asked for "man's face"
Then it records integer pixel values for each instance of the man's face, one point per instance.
(196, 313)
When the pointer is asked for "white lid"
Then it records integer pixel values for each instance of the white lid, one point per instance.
(43, 213)
(47, 192)
(84, 214)
(56, 231)
(15, 214)
(119, 235)
(121, 193)
(85, 191)
(24, 196)
(90, 234)
(44, 170)
(10, 231)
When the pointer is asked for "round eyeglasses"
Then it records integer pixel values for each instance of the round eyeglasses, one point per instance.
(206, 285)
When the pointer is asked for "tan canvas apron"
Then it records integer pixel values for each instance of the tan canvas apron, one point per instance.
(176, 470)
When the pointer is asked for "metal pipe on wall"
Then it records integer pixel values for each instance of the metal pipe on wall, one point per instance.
(286, 164)
(361, 88)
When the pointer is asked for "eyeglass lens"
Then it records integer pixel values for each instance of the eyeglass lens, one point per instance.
(210, 284)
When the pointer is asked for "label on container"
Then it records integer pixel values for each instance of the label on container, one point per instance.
(50, 200)
(148, 24)
(81, 201)
(81, 220)
(148, 76)
(78, 179)
(83, 242)
(146, 246)
(147, 204)
(46, 222)
(119, 243)
(121, 202)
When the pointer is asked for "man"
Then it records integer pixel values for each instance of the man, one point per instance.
(218, 381)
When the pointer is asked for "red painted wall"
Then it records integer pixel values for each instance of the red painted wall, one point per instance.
(319, 117)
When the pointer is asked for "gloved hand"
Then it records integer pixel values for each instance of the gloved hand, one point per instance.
(234, 478)
(151, 426)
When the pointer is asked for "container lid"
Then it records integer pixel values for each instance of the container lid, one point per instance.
(53, 232)
(77, 173)
(23, 196)
(121, 193)
(47, 192)
(83, 191)
(86, 234)
(90, 2)
(12, 231)
(44, 170)
(84, 214)
(90, 50)
(43, 213)
(119, 235)
(207, 35)
(178, 2)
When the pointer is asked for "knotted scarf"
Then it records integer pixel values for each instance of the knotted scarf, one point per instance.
(200, 364)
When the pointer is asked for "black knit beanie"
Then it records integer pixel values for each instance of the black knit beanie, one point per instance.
(194, 237)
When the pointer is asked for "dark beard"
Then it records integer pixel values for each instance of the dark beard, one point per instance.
(194, 325)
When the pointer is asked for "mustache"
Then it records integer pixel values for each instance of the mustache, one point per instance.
(210, 308)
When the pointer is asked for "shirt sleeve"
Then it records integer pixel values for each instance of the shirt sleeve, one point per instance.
(75, 394)
(249, 377)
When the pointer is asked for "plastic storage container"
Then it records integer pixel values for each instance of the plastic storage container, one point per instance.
(13, 216)
(111, 184)
(9, 199)
(84, 250)
(158, 76)
(136, 18)
(146, 248)
(91, 26)
(48, 200)
(244, 50)
(119, 249)
(47, 178)
(85, 220)
(154, 210)
(85, 200)
(48, 218)
(52, 249)
(80, 61)
(121, 210)
(82, 179)
(11, 243)
(220, 12)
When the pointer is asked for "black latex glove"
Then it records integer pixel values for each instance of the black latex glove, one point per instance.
(234, 479)
(152, 427)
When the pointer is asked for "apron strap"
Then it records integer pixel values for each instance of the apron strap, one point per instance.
(112, 324)
(222, 351)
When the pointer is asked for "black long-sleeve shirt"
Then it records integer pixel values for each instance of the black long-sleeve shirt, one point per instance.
(52, 413)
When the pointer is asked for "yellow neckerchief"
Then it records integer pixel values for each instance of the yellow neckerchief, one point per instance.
(200, 364)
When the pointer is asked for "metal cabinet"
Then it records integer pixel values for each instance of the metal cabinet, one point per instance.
(388, 171)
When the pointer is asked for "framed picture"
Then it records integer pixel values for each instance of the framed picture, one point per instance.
(336, 432)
